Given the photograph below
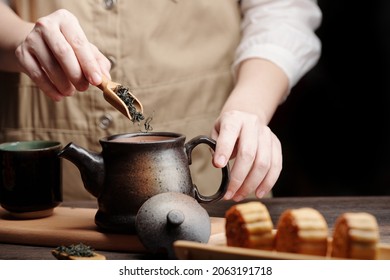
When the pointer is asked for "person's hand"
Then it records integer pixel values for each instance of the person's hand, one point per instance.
(58, 57)
(256, 149)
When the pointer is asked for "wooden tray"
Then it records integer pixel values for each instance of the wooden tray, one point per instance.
(66, 226)
(70, 225)
(216, 249)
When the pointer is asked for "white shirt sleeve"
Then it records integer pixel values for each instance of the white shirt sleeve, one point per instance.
(281, 31)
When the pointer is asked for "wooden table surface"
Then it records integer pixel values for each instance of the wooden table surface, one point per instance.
(330, 207)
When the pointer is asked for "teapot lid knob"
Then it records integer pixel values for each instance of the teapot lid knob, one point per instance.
(175, 217)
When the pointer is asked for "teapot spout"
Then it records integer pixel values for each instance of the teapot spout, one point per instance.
(90, 165)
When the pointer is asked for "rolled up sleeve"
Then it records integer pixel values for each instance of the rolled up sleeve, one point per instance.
(281, 31)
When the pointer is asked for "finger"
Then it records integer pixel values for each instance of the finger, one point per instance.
(78, 41)
(71, 48)
(260, 166)
(214, 132)
(247, 151)
(103, 61)
(215, 135)
(276, 167)
(35, 72)
(49, 29)
(228, 134)
(49, 64)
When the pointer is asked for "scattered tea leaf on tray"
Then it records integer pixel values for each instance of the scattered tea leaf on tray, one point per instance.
(78, 250)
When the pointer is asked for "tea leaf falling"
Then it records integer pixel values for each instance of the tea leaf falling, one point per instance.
(147, 122)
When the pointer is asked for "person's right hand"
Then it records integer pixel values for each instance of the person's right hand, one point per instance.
(58, 57)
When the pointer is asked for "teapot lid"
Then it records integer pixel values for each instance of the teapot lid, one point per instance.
(167, 217)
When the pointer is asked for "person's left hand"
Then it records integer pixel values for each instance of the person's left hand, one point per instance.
(256, 149)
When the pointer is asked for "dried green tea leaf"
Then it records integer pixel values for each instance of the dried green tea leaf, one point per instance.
(79, 250)
(147, 122)
(123, 94)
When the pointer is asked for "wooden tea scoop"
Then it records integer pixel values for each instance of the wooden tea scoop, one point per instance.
(111, 97)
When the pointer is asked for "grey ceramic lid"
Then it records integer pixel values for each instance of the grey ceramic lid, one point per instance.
(171, 216)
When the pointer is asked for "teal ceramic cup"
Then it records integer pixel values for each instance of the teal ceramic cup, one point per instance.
(30, 178)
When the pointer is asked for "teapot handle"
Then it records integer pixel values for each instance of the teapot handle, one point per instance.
(189, 146)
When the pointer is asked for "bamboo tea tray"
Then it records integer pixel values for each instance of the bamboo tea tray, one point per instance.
(217, 249)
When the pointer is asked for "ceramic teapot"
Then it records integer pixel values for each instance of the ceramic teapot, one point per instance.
(133, 168)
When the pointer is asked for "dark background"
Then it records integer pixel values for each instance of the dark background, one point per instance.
(335, 125)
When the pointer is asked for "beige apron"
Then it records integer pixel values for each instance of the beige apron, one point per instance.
(175, 55)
